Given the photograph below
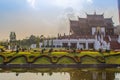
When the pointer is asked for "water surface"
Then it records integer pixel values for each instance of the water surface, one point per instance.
(62, 74)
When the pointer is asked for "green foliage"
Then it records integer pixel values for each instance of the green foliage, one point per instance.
(59, 53)
(90, 53)
(111, 53)
(25, 43)
(3, 44)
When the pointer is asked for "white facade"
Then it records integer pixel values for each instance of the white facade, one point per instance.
(97, 43)
(103, 30)
(33, 46)
(79, 43)
(40, 45)
(119, 39)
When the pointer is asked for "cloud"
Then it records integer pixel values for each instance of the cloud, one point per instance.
(90, 1)
(32, 3)
(67, 3)
(59, 3)
(70, 3)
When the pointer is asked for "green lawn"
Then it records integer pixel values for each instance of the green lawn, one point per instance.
(42, 60)
(89, 60)
(113, 59)
(65, 61)
(20, 60)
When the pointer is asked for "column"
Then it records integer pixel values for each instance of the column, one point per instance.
(55, 43)
(61, 44)
(69, 44)
(78, 45)
(86, 45)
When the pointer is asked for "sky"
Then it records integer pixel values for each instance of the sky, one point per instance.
(48, 17)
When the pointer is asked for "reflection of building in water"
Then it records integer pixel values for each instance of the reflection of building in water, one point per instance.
(80, 75)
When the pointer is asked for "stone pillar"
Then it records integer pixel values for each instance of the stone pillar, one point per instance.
(61, 44)
(78, 45)
(69, 45)
(86, 45)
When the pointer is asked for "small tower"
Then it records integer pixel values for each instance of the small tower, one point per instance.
(12, 41)
(12, 37)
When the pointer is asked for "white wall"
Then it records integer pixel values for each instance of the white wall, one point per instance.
(33, 46)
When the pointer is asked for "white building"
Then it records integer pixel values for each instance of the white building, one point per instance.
(93, 32)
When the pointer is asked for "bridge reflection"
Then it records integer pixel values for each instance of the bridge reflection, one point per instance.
(96, 75)
(76, 74)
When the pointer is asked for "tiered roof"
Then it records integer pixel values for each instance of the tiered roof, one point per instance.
(92, 20)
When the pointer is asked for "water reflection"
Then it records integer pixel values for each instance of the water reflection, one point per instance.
(77, 74)
(17, 74)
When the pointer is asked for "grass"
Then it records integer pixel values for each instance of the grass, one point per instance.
(20, 60)
(113, 59)
(66, 61)
(89, 60)
(42, 60)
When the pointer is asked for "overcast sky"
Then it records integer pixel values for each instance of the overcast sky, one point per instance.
(48, 17)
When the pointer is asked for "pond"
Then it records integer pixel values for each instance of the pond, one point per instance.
(61, 74)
